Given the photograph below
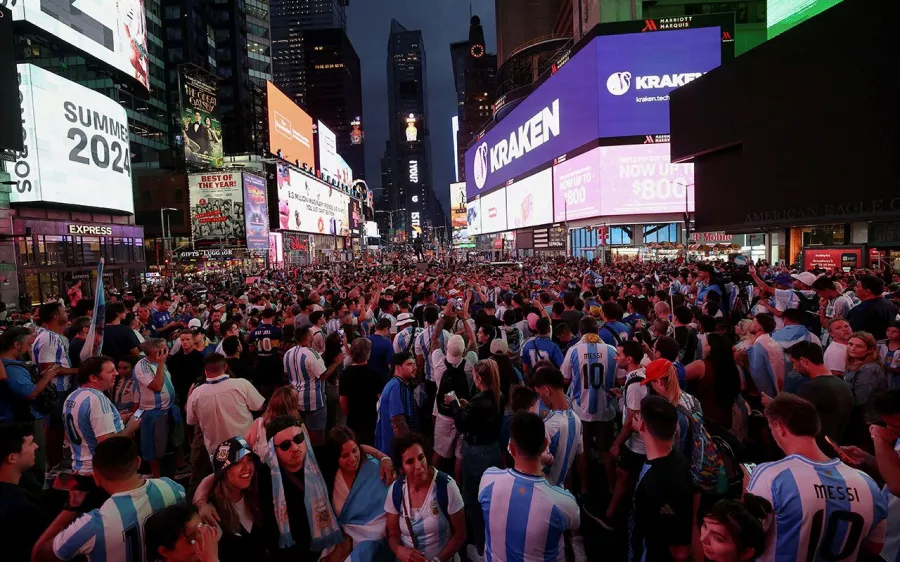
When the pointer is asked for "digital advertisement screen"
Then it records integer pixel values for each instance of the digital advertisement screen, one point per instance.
(113, 31)
(276, 248)
(473, 217)
(306, 204)
(560, 115)
(344, 173)
(493, 211)
(256, 212)
(637, 71)
(458, 221)
(576, 187)
(327, 150)
(290, 129)
(782, 15)
(355, 214)
(201, 128)
(76, 145)
(638, 179)
(528, 201)
(217, 209)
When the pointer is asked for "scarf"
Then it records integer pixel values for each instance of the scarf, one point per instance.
(362, 517)
(323, 526)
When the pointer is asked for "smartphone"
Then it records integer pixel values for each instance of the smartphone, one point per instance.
(845, 458)
(749, 467)
(137, 414)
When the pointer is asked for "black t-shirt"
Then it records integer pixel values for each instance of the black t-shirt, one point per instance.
(21, 523)
(297, 518)
(833, 400)
(75, 347)
(118, 340)
(238, 368)
(662, 509)
(572, 317)
(872, 316)
(361, 385)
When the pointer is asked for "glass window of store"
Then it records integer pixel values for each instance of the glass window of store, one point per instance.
(91, 249)
(620, 235)
(57, 248)
(826, 235)
(26, 251)
(660, 233)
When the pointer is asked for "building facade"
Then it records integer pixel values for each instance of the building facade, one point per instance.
(476, 92)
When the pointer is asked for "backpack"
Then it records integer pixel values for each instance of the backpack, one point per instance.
(614, 334)
(455, 380)
(707, 467)
(441, 481)
(809, 306)
(511, 335)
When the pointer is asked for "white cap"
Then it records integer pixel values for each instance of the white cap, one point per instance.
(807, 278)
(195, 323)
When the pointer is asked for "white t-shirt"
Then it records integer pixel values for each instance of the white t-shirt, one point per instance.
(428, 522)
(221, 407)
(836, 357)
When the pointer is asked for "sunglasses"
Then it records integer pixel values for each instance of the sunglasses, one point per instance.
(286, 445)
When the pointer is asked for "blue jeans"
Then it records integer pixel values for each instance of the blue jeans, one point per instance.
(475, 460)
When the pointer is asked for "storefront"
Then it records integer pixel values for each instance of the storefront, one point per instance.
(51, 255)
(884, 245)
(296, 249)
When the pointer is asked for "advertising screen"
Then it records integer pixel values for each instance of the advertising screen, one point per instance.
(561, 114)
(528, 200)
(276, 249)
(76, 145)
(256, 212)
(832, 259)
(454, 128)
(458, 222)
(290, 128)
(637, 179)
(216, 209)
(201, 128)
(306, 204)
(327, 150)
(493, 212)
(576, 187)
(113, 31)
(782, 15)
(344, 172)
(355, 214)
(637, 71)
(473, 216)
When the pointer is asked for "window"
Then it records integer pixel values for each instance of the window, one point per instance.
(26, 257)
(826, 235)
(660, 233)
(173, 12)
(57, 249)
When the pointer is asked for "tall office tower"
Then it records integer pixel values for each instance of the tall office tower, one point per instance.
(479, 91)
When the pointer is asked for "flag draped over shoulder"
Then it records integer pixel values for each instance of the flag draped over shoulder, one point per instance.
(95, 335)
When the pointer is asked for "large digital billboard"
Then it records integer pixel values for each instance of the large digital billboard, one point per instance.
(113, 31)
(290, 129)
(528, 201)
(638, 179)
(217, 209)
(473, 216)
(201, 128)
(493, 211)
(576, 187)
(458, 217)
(637, 71)
(256, 212)
(76, 149)
(344, 173)
(306, 204)
(327, 150)
(782, 15)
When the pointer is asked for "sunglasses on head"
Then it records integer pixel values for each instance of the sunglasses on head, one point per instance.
(286, 445)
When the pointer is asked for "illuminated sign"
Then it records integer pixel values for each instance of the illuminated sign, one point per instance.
(414, 171)
(411, 132)
(88, 229)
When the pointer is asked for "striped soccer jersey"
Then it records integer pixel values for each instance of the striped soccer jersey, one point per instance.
(824, 510)
(50, 347)
(88, 414)
(564, 433)
(591, 368)
(423, 347)
(305, 368)
(148, 399)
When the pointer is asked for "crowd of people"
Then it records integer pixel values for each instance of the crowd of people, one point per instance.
(551, 409)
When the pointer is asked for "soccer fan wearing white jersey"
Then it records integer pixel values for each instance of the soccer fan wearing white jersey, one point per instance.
(824, 509)
(307, 373)
(115, 531)
(563, 428)
(525, 516)
(590, 368)
(423, 342)
(407, 333)
(51, 349)
(90, 417)
(161, 422)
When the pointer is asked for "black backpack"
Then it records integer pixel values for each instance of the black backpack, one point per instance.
(809, 306)
(455, 380)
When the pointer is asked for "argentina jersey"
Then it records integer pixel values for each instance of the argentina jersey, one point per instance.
(402, 339)
(115, 531)
(423, 348)
(564, 433)
(50, 347)
(824, 509)
(891, 550)
(430, 527)
(591, 368)
(147, 399)
(304, 366)
(88, 414)
(541, 349)
(525, 517)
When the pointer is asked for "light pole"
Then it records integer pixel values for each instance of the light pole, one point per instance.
(162, 227)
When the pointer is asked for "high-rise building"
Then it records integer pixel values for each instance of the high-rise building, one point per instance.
(478, 89)
(409, 147)
(334, 90)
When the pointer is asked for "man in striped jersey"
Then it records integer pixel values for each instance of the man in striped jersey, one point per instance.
(115, 531)
(824, 509)
(563, 428)
(307, 373)
(540, 347)
(90, 418)
(590, 368)
(423, 342)
(407, 333)
(525, 515)
(161, 422)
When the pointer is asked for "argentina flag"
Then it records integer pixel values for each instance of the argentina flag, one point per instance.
(95, 335)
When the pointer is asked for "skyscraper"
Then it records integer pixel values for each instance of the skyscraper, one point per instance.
(478, 89)
(409, 147)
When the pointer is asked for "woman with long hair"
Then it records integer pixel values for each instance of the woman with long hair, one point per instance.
(415, 529)
(864, 373)
(715, 380)
(284, 402)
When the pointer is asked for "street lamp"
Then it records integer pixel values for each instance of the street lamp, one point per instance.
(163, 217)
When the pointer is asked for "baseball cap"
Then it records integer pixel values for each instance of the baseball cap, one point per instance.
(229, 453)
(499, 347)
(656, 369)
(807, 278)
(784, 279)
(405, 318)
(456, 347)
(195, 323)
(452, 292)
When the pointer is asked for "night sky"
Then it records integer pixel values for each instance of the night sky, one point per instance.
(442, 22)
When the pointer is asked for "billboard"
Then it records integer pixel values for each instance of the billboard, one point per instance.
(576, 187)
(344, 172)
(832, 259)
(459, 224)
(782, 15)
(201, 128)
(76, 149)
(327, 150)
(113, 31)
(355, 216)
(256, 212)
(528, 200)
(454, 129)
(306, 204)
(216, 209)
(637, 71)
(473, 217)
(493, 211)
(290, 129)
(637, 179)
(276, 249)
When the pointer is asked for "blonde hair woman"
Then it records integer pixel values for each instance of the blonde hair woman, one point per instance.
(284, 402)
(864, 373)
(742, 331)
